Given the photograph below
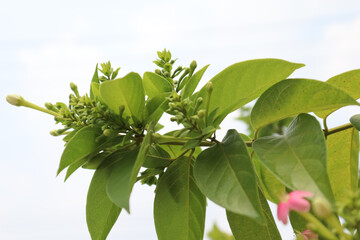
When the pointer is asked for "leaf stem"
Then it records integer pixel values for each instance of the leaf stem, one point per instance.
(338, 129)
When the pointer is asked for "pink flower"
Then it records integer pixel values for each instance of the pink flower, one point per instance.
(309, 235)
(293, 201)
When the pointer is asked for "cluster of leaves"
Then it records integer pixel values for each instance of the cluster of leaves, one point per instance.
(113, 131)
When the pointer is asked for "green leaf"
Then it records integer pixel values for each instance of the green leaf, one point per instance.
(242, 82)
(298, 222)
(95, 79)
(155, 84)
(156, 107)
(101, 213)
(225, 174)
(120, 184)
(96, 92)
(245, 228)
(79, 146)
(179, 206)
(124, 174)
(355, 121)
(127, 91)
(348, 82)
(157, 157)
(193, 82)
(293, 96)
(342, 163)
(217, 234)
(298, 158)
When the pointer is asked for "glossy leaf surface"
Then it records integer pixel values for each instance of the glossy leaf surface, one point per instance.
(343, 162)
(225, 174)
(242, 82)
(179, 206)
(101, 213)
(245, 228)
(128, 92)
(298, 158)
(294, 96)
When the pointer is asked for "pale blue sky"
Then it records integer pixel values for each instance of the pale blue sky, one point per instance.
(44, 45)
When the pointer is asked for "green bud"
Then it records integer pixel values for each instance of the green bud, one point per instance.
(107, 132)
(173, 119)
(168, 67)
(74, 88)
(121, 110)
(193, 65)
(321, 207)
(51, 107)
(209, 87)
(15, 100)
(201, 113)
(158, 71)
(167, 74)
(199, 100)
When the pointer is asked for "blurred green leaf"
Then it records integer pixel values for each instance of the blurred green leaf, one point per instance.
(193, 82)
(343, 162)
(155, 84)
(95, 79)
(217, 234)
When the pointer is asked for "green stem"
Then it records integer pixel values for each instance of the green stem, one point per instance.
(334, 222)
(41, 109)
(338, 129)
(318, 226)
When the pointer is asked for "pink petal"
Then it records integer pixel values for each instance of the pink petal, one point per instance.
(300, 194)
(283, 212)
(308, 235)
(300, 205)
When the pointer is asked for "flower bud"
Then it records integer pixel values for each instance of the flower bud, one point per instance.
(199, 100)
(107, 132)
(74, 88)
(15, 100)
(157, 71)
(201, 113)
(209, 87)
(193, 65)
(321, 208)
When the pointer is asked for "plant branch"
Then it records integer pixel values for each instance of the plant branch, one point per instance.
(338, 129)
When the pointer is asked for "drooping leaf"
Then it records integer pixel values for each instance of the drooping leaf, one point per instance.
(128, 92)
(342, 163)
(348, 82)
(124, 174)
(179, 206)
(101, 213)
(155, 84)
(193, 82)
(355, 121)
(298, 222)
(242, 82)
(298, 158)
(120, 184)
(294, 96)
(95, 79)
(245, 228)
(79, 146)
(225, 174)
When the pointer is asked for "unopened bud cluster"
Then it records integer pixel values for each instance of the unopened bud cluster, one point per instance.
(349, 210)
(166, 64)
(181, 109)
(108, 71)
(82, 111)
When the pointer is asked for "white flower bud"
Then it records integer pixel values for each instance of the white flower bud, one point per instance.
(15, 100)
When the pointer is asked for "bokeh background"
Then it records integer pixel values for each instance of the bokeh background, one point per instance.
(44, 45)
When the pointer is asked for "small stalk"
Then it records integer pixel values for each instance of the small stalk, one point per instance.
(318, 226)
